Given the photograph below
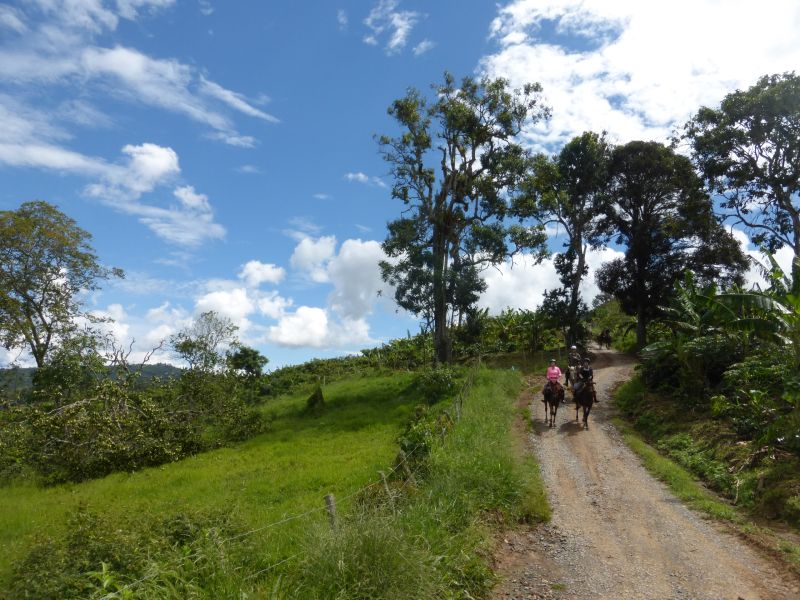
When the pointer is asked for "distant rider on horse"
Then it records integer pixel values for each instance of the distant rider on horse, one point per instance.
(574, 357)
(553, 375)
(585, 377)
(574, 363)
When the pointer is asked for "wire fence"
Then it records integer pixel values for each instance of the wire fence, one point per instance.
(401, 464)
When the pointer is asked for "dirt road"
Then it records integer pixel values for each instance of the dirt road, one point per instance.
(616, 532)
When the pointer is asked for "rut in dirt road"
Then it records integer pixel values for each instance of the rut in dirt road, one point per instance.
(616, 532)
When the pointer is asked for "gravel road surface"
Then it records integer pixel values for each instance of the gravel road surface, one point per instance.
(616, 532)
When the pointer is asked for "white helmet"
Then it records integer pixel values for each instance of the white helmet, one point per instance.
(573, 348)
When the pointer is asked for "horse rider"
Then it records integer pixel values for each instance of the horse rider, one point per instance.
(585, 376)
(573, 361)
(553, 375)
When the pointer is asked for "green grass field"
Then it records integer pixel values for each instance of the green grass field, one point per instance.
(441, 524)
(283, 472)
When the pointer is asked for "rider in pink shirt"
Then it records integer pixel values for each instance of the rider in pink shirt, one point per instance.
(553, 373)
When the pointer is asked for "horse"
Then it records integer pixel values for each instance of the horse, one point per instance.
(569, 375)
(585, 398)
(604, 339)
(552, 396)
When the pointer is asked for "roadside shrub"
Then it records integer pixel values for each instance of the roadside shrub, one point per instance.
(184, 555)
(421, 433)
(367, 557)
(116, 430)
(436, 384)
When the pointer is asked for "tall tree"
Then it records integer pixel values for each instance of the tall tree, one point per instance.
(45, 261)
(454, 165)
(568, 190)
(662, 215)
(748, 150)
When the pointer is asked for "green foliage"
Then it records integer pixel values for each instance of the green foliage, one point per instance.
(316, 402)
(454, 164)
(437, 383)
(39, 246)
(747, 149)
(661, 212)
(206, 343)
(179, 556)
(568, 190)
(366, 557)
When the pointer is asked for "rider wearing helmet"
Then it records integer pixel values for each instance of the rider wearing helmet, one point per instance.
(585, 377)
(574, 358)
(553, 374)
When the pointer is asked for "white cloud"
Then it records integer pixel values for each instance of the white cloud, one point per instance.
(384, 18)
(11, 18)
(360, 177)
(310, 327)
(522, 285)
(205, 8)
(273, 305)
(307, 327)
(341, 18)
(322, 196)
(423, 47)
(254, 273)
(312, 256)
(249, 169)
(356, 278)
(234, 304)
(190, 223)
(234, 100)
(606, 67)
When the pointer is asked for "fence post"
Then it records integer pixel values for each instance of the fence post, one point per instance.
(386, 489)
(330, 504)
(406, 469)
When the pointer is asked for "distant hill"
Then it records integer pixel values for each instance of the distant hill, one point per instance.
(19, 378)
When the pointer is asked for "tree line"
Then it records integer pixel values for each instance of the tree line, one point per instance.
(473, 196)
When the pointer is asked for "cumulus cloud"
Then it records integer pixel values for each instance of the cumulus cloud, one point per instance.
(384, 20)
(311, 256)
(308, 326)
(356, 278)
(523, 283)
(603, 65)
(254, 273)
(235, 304)
(311, 327)
(273, 305)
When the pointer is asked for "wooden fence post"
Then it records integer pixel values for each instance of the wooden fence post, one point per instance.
(386, 489)
(406, 469)
(330, 504)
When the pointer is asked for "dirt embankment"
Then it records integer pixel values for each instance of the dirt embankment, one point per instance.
(616, 532)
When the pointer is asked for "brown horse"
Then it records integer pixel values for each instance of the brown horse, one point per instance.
(585, 398)
(552, 396)
(604, 339)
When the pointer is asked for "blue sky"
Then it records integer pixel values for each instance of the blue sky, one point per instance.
(222, 153)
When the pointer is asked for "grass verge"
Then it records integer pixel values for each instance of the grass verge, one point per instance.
(647, 417)
(434, 539)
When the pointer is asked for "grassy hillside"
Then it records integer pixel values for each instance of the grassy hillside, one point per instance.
(283, 472)
(434, 522)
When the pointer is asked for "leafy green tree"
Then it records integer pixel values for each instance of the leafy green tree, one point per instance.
(748, 149)
(454, 165)
(568, 191)
(248, 361)
(665, 220)
(204, 345)
(46, 260)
